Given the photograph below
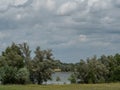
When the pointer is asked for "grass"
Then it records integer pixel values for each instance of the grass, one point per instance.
(111, 86)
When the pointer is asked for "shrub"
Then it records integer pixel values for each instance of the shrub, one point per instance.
(22, 76)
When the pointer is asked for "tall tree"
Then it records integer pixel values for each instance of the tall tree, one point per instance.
(82, 70)
(41, 67)
(91, 71)
(24, 47)
(12, 61)
(12, 56)
(49, 54)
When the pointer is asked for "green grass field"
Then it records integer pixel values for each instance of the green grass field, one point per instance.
(115, 86)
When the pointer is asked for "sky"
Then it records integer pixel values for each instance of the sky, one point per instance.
(73, 29)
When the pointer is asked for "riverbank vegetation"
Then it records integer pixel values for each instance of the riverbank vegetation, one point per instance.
(17, 66)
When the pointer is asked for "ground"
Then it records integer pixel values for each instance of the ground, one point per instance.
(112, 86)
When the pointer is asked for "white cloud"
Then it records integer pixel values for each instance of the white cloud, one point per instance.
(44, 4)
(50, 4)
(98, 5)
(5, 4)
(19, 2)
(67, 8)
(92, 2)
(82, 38)
(18, 16)
(36, 4)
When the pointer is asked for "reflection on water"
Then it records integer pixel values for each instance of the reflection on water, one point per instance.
(63, 78)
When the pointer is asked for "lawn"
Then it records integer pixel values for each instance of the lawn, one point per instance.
(115, 86)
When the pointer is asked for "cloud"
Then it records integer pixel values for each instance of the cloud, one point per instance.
(37, 4)
(82, 38)
(74, 29)
(67, 8)
(19, 2)
(42, 4)
(97, 5)
(7, 4)
(2, 35)
(116, 3)
(50, 4)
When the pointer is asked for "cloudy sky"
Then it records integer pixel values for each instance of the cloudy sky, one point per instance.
(73, 29)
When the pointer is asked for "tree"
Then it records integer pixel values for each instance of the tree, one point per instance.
(82, 70)
(8, 75)
(41, 66)
(48, 54)
(24, 48)
(111, 64)
(72, 79)
(97, 71)
(22, 76)
(92, 71)
(12, 56)
(11, 64)
(116, 72)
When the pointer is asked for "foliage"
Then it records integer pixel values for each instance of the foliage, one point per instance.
(112, 63)
(17, 66)
(7, 74)
(101, 70)
(22, 76)
(41, 70)
(12, 56)
(24, 48)
(72, 79)
(91, 71)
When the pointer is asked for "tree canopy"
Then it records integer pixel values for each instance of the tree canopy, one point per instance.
(17, 66)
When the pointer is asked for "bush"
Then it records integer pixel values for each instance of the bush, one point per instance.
(72, 79)
(22, 76)
(11, 75)
(7, 75)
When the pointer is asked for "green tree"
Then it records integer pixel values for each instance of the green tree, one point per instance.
(11, 62)
(22, 76)
(24, 48)
(91, 71)
(73, 79)
(8, 74)
(111, 64)
(82, 70)
(97, 71)
(48, 54)
(12, 56)
(41, 66)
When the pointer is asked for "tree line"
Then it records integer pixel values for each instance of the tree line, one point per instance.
(17, 66)
(105, 69)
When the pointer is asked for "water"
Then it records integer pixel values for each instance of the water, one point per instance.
(63, 78)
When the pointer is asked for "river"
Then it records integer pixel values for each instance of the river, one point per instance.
(63, 78)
